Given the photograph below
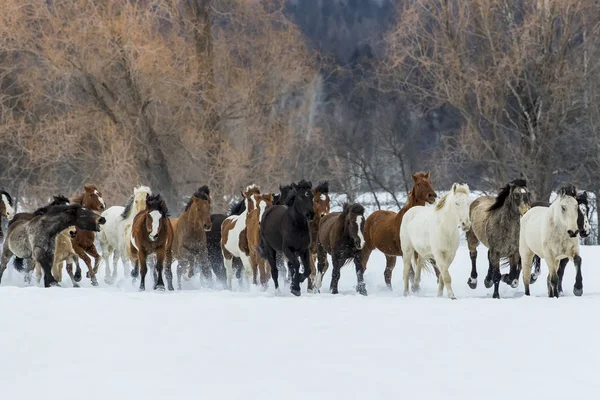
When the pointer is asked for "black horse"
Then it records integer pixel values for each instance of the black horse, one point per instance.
(583, 224)
(286, 230)
(342, 236)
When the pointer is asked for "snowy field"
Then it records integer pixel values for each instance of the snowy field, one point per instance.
(117, 343)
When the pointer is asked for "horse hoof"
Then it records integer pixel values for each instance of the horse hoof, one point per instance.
(533, 278)
(577, 292)
(472, 282)
(94, 283)
(362, 289)
(295, 292)
(77, 277)
(488, 283)
(416, 288)
(514, 284)
(496, 295)
(87, 274)
(75, 285)
(54, 284)
(389, 286)
(160, 288)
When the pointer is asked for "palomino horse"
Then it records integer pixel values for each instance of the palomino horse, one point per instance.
(115, 234)
(496, 224)
(253, 234)
(286, 229)
(6, 208)
(341, 235)
(429, 235)
(321, 202)
(583, 224)
(551, 232)
(189, 241)
(382, 228)
(152, 233)
(83, 242)
(35, 238)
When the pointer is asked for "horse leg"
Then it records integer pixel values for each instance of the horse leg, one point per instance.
(44, 259)
(361, 288)
(282, 268)
(70, 263)
(512, 278)
(536, 268)
(578, 287)
(182, 266)
(254, 264)
(552, 277)
(247, 269)
(407, 258)
(264, 273)
(159, 284)
(390, 263)
(322, 266)
(445, 276)
(496, 276)
(489, 279)
(335, 274)
(143, 270)
(306, 259)
(92, 275)
(6, 255)
(88, 262)
(294, 266)
(472, 243)
(561, 273)
(205, 268)
(272, 260)
(313, 270)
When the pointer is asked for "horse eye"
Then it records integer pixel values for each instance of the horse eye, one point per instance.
(564, 208)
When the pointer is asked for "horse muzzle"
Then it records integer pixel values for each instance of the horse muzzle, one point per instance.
(465, 226)
(102, 221)
(572, 234)
(72, 234)
(207, 227)
(524, 208)
(310, 215)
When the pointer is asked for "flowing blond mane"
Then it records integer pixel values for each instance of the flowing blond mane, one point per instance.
(456, 189)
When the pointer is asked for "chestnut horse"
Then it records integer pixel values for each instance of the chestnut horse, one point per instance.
(253, 234)
(189, 241)
(321, 202)
(152, 233)
(382, 228)
(83, 242)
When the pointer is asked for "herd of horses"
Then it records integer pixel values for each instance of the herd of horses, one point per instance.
(265, 232)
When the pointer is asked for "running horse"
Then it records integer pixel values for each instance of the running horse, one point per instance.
(321, 206)
(382, 228)
(83, 242)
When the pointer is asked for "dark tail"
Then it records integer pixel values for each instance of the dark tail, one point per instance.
(262, 247)
(18, 264)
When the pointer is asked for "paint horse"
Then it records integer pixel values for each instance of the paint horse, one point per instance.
(152, 233)
(382, 228)
(83, 242)
(496, 222)
(259, 265)
(36, 238)
(341, 235)
(583, 225)
(234, 241)
(286, 229)
(429, 236)
(189, 241)
(115, 234)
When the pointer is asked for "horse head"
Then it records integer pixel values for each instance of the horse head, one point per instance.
(565, 209)
(303, 199)
(285, 196)
(459, 202)
(85, 218)
(249, 195)
(199, 207)
(354, 223)
(6, 205)
(92, 198)
(321, 199)
(422, 190)
(156, 212)
(140, 195)
(515, 195)
(583, 220)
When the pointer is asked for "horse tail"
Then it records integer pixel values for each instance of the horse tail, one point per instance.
(18, 264)
(262, 247)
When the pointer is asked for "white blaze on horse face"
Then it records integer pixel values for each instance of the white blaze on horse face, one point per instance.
(359, 221)
(9, 210)
(261, 210)
(155, 215)
(100, 199)
(323, 197)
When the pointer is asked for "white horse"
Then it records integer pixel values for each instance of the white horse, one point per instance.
(551, 233)
(115, 233)
(430, 235)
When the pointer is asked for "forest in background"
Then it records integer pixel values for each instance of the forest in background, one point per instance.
(179, 93)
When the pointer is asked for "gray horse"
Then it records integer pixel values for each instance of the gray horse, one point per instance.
(35, 238)
(496, 224)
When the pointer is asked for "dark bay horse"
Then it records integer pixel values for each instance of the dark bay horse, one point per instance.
(83, 242)
(286, 229)
(382, 228)
(189, 241)
(36, 238)
(321, 205)
(496, 224)
(341, 235)
(583, 224)
(152, 233)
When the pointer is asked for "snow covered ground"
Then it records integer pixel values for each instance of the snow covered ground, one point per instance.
(116, 343)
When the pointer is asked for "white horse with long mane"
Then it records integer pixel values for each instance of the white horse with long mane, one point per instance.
(430, 235)
(115, 233)
(551, 233)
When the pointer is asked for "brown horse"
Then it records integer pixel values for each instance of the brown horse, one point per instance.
(6, 208)
(253, 234)
(189, 241)
(382, 228)
(152, 233)
(83, 242)
(321, 202)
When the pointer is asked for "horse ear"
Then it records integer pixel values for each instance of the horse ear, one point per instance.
(294, 186)
(243, 195)
(88, 187)
(454, 187)
(414, 176)
(427, 175)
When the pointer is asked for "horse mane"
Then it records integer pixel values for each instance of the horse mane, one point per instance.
(78, 199)
(353, 208)
(252, 189)
(503, 195)
(237, 208)
(202, 193)
(582, 198)
(568, 190)
(442, 202)
(128, 207)
(59, 200)
(156, 203)
(303, 184)
(322, 187)
(56, 209)
(10, 200)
